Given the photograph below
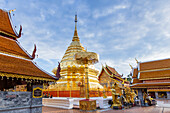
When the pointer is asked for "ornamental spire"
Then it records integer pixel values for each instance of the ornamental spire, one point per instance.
(75, 37)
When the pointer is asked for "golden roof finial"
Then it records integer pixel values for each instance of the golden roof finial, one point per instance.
(136, 60)
(12, 10)
(102, 64)
(75, 37)
(131, 66)
(123, 82)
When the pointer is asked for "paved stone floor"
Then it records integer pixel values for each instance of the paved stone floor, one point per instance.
(163, 106)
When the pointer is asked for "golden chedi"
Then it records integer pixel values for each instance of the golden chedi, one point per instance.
(71, 82)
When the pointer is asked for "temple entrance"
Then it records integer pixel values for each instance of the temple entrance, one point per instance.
(162, 94)
(152, 94)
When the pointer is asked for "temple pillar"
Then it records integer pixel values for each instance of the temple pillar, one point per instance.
(140, 96)
(168, 94)
(156, 95)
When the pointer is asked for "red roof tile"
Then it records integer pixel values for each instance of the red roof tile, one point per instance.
(11, 46)
(135, 73)
(155, 74)
(15, 65)
(135, 80)
(6, 25)
(159, 64)
(106, 71)
(112, 70)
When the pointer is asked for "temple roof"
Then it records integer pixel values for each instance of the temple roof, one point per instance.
(155, 65)
(135, 80)
(111, 72)
(13, 58)
(12, 47)
(155, 74)
(152, 70)
(135, 73)
(16, 65)
(6, 27)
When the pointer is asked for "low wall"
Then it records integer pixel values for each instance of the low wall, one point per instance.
(19, 102)
(65, 103)
(69, 103)
(75, 93)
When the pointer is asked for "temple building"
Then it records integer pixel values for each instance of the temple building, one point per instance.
(71, 82)
(153, 77)
(16, 64)
(109, 76)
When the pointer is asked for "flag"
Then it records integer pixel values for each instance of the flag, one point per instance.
(58, 71)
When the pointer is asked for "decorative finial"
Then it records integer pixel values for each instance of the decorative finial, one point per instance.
(123, 82)
(136, 60)
(101, 63)
(131, 66)
(75, 37)
(76, 17)
(12, 10)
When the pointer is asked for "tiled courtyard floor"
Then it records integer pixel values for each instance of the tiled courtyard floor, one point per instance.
(163, 106)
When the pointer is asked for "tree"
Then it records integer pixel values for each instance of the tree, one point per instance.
(129, 77)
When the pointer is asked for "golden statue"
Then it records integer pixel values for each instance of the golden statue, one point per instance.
(122, 97)
(145, 97)
(116, 101)
(104, 94)
(132, 96)
(127, 92)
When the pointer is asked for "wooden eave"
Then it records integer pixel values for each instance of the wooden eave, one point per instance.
(151, 85)
(163, 74)
(12, 47)
(112, 76)
(155, 65)
(21, 66)
(135, 73)
(112, 70)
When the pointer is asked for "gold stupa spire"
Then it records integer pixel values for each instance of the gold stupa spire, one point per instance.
(75, 37)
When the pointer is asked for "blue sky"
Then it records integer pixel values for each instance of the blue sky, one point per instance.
(118, 30)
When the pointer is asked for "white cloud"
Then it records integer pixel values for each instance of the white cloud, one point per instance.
(107, 11)
(137, 29)
(89, 35)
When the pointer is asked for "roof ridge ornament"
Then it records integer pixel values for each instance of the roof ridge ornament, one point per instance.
(131, 66)
(136, 61)
(34, 51)
(12, 10)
